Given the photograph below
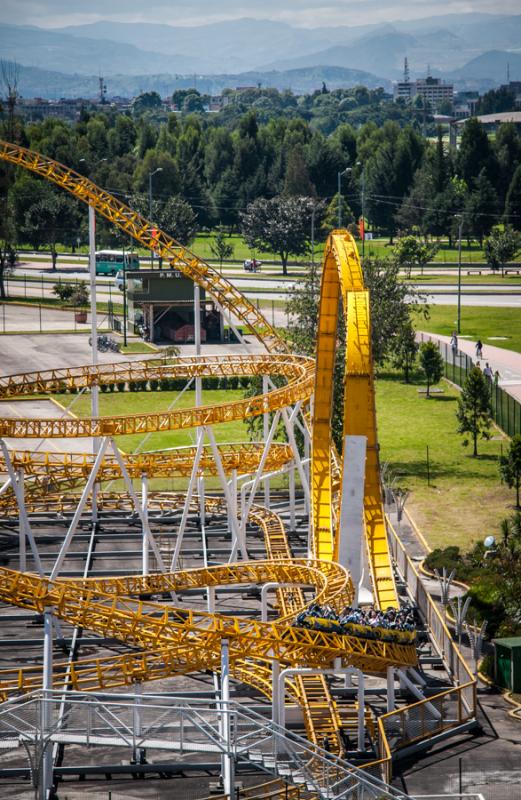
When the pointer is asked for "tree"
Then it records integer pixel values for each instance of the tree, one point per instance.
(148, 101)
(391, 303)
(510, 466)
(513, 201)
(474, 409)
(405, 349)
(220, 248)
(330, 220)
(282, 225)
(175, 217)
(481, 207)
(297, 182)
(501, 247)
(431, 363)
(475, 152)
(409, 252)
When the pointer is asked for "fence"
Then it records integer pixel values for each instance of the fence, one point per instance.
(506, 410)
(448, 709)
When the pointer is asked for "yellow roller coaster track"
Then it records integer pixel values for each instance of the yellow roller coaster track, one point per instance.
(342, 279)
(147, 234)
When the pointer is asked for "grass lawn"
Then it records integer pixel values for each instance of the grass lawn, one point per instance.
(513, 281)
(138, 347)
(126, 403)
(477, 322)
(465, 500)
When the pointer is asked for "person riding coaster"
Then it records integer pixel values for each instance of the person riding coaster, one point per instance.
(394, 625)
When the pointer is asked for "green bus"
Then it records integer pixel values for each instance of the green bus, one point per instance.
(109, 262)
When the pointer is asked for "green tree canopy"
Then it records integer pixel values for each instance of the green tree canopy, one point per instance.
(474, 409)
(431, 363)
(510, 466)
(282, 225)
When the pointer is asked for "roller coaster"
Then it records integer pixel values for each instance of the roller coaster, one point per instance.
(163, 637)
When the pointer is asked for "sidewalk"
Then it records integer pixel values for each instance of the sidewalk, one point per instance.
(507, 362)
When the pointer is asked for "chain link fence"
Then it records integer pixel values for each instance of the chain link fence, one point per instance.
(506, 410)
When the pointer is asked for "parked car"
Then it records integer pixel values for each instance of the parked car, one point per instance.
(252, 265)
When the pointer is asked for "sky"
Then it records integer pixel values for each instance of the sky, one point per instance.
(304, 13)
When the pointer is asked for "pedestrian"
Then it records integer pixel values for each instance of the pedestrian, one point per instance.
(497, 376)
(454, 343)
(479, 349)
(487, 372)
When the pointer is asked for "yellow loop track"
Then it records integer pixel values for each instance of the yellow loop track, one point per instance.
(175, 640)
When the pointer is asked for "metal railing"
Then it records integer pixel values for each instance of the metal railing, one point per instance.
(448, 709)
(142, 721)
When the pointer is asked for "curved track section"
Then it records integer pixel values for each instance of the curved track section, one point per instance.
(342, 281)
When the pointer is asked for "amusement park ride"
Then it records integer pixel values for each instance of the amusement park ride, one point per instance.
(347, 561)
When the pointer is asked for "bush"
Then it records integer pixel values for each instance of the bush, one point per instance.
(233, 382)
(121, 386)
(223, 383)
(153, 384)
(141, 386)
(111, 387)
(133, 386)
(104, 387)
(164, 384)
(63, 291)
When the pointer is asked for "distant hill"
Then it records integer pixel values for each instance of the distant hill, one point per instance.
(51, 85)
(490, 66)
(442, 45)
(49, 50)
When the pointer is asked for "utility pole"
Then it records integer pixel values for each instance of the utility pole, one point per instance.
(459, 217)
(150, 176)
(339, 177)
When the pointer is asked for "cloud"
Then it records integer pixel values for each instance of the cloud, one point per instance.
(312, 13)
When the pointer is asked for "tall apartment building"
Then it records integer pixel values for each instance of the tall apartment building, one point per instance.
(433, 90)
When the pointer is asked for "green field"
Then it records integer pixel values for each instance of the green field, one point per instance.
(465, 500)
(126, 403)
(477, 322)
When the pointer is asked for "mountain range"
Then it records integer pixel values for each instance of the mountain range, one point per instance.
(473, 50)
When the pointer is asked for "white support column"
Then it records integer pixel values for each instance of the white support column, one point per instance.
(21, 508)
(94, 391)
(145, 525)
(229, 765)
(361, 710)
(291, 485)
(275, 688)
(405, 681)
(245, 511)
(186, 508)
(236, 528)
(232, 509)
(352, 521)
(391, 699)
(79, 509)
(139, 753)
(46, 717)
(273, 586)
(22, 534)
(265, 432)
(288, 424)
(137, 507)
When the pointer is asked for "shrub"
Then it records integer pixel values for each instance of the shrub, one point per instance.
(164, 384)
(111, 387)
(153, 384)
(233, 382)
(121, 386)
(104, 387)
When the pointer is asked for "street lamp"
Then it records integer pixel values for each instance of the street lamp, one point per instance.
(359, 164)
(150, 176)
(460, 228)
(346, 171)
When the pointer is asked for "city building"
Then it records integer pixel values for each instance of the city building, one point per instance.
(433, 90)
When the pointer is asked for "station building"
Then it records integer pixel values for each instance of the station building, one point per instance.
(164, 301)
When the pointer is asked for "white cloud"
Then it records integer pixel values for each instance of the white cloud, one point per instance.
(312, 13)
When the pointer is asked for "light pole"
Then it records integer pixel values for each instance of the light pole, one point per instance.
(359, 164)
(460, 228)
(339, 177)
(150, 176)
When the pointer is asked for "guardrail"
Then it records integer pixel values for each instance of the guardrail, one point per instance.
(449, 709)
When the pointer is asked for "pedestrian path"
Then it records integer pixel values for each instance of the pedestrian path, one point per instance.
(506, 362)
